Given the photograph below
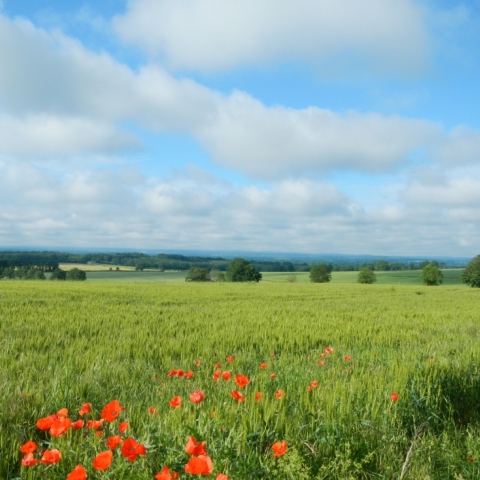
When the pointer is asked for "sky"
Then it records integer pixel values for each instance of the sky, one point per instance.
(308, 126)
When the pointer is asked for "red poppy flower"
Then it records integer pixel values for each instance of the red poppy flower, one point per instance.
(216, 375)
(114, 442)
(201, 465)
(197, 364)
(323, 355)
(314, 384)
(471, 459)
(218, 365)
(46, 422)
(28, 447)
(226, 375)
(152, 410)
(197, 396)
(238, 396)
(279, 393)
(394, 397)
(189, 374)
(85, 408)
(241, 380)
(95, 424)
(63, 412)
(111, 411)
(263, 366)
(231, 358)
(320, 363)
(329, 350)
(180, 373)
(194, 448)
(175, 402)
(166, 474)
(99, 434)
(221, 476)
(131, 449)
(78, 424)
(347, 358)
(172, 373)
(60, 426)
(29, 460)
(272, 375)
(78, 473)
(309, 388)
(258, 396)
(123, 427)
(103, 460)
(51, 456)
(279, 448)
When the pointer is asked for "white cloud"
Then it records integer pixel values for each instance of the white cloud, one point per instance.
(210, 35)
(461, 146)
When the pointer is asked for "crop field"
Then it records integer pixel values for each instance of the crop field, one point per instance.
(290, 381)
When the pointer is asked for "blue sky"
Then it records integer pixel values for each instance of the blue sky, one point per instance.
(315, 126)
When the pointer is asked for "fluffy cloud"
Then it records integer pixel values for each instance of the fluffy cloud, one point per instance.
(209, 35)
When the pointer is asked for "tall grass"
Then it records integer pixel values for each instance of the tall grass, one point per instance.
(63, 344)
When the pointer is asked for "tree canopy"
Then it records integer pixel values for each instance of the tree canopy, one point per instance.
(76, 274)
(320, 274)
(431, 275)
(197, 274)
(239, 270)
(471, 274)
(365, 275)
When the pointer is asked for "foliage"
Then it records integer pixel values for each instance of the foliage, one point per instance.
(471, 274)
(197, 274)
(58, 274)
(76, 274)
(89, 342)
(239, 270)
(431, 275)
(365, 275)
(320, 274)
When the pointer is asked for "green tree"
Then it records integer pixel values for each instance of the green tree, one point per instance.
(197, 274)
(320, 274)
(76, 274)
(365, 275)
(471, 274)
(239, 270)
(431, 275)
(58, 274)
(39, 275)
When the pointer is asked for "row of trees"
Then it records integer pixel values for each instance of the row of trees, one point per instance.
(39, 274)
(238, 270)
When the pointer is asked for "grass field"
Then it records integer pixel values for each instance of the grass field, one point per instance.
(63, 344)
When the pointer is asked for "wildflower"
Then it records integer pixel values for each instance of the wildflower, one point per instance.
(263, 366)
(241, 380)
(99, 434)
(258, 396)
(471, 459)
(78, 473)
(123, 427)
(272, 375)
(28, 460)
(194, 448)
(197, 364)
(279, 448)
(221, 476)
(323, 355)
(166, 474)
(347, 358)
(111, 411)
(201, 465)
(189, 374)
(226, 375)
(63, 412)
(172, 373)
(197, 396)
(131, 449)
(238, 396)
(28, 447)
(95, 424)
(46, 422)
(329, 350)
(218, 365)
(78, 424)
(180, 373)
(320, 363)
(279, 393)
(51, 456)
(60, 426)
(152, 410)
(216, 375)
(230, 358)
(272, 355)
(175, 402)
(103, 460)
(394, 397)
(314, 384)
(114, 442)
(85, 408)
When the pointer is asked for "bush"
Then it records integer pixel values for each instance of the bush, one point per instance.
(239, 270)
(471, 274)
(197, 274)
(365, 275)
(58, 275)
(431, 275)
(76, 274)
(320, 274)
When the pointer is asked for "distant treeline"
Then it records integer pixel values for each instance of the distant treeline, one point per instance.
(49, 262)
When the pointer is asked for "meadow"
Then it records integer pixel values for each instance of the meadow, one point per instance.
(396, 366)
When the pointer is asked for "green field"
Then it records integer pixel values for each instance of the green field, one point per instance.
(66, 343)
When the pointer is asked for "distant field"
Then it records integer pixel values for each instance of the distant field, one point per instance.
(86, 267)
(133, 276)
